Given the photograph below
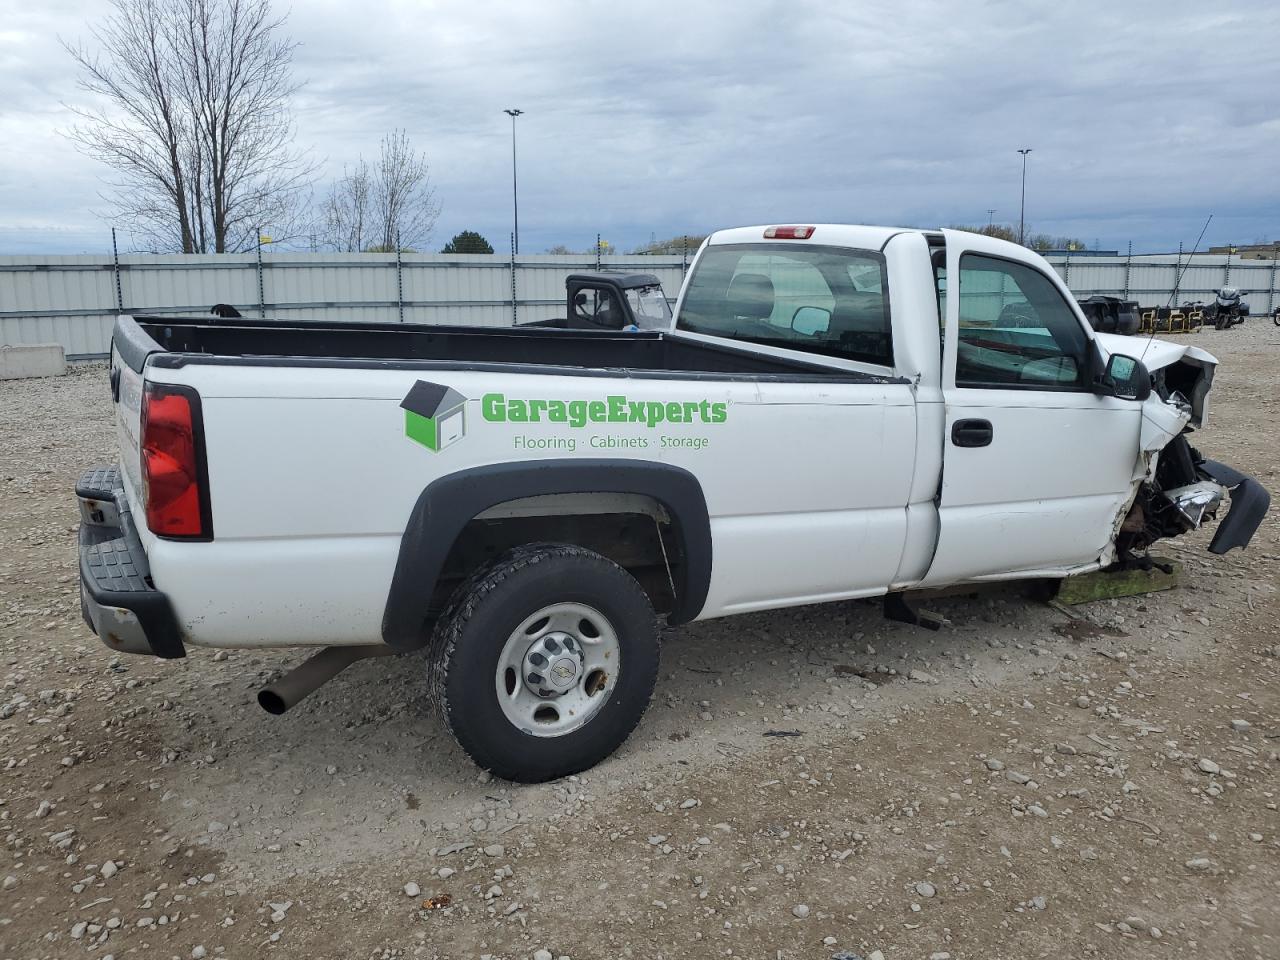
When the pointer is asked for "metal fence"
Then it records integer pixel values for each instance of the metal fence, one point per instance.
(73, 300)
(1161, 280)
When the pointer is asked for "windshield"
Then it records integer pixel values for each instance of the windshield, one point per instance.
(649, 304)
(827, 300)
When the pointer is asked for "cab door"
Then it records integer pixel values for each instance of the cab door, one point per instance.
(1036, 467)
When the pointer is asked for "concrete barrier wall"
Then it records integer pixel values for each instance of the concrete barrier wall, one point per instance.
(32, 360)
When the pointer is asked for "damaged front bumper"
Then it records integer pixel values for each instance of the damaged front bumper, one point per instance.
(1176, 489)
(1249, 503)
(1186, 492)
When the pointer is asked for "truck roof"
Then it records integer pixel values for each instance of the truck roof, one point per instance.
(831, 234)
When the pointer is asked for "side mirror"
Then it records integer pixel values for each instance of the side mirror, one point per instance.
(810, 320)
(1124, 377)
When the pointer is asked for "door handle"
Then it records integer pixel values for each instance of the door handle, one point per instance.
(971, 433)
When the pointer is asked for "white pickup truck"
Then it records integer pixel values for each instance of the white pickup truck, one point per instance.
(836, 412)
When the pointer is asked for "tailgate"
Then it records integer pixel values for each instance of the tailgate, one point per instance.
(126, 396)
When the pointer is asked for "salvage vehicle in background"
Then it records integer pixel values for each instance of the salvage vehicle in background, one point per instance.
(611, 300)
(1227, 310)
(836, 412)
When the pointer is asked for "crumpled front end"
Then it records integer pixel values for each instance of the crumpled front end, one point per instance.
(1178, 490)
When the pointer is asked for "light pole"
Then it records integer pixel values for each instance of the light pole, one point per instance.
(1022, 210)
(515, 197)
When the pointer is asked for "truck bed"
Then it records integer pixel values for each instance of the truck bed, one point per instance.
(324, 343)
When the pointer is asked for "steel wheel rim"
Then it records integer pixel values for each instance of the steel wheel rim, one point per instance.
(581, 698)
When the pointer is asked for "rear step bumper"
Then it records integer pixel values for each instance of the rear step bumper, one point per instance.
(116, 596)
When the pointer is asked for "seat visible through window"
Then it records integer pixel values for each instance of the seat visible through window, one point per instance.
(827, 300)
(751, 296)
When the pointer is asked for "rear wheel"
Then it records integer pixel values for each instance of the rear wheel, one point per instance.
(545, 661)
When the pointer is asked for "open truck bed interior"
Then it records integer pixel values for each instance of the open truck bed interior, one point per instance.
(324, 343)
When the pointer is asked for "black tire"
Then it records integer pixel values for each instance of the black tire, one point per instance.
(476, 624)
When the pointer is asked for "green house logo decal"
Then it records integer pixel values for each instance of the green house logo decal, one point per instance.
(434, 415)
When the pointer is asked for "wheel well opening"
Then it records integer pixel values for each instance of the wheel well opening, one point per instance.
(634, 532)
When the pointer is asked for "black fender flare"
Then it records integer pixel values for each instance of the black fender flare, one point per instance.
(449, 503)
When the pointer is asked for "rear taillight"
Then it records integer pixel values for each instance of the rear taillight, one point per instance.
(788, 233)
(173, 475)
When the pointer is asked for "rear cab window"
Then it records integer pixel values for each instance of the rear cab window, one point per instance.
(819, 299)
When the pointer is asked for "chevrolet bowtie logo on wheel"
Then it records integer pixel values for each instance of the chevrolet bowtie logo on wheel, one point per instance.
(434, 415)
(563, 671)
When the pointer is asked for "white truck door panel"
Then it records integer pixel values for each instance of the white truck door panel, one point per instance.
(1036, 468)
(1046, 491)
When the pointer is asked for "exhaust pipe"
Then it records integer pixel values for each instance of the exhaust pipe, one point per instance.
(313, 673)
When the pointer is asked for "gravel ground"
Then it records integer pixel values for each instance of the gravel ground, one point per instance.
(807, 782)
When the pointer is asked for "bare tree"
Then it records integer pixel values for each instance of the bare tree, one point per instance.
(346, 214)
(376, 208)
(406, 202)
(193, 115)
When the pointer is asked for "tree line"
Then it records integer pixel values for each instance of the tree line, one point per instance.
(1033, 241)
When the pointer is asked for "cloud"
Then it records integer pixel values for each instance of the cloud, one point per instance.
(665, 118)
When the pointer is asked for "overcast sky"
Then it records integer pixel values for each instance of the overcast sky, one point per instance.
(658, 119)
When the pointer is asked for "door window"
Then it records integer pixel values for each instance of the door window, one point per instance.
(1016, 330)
